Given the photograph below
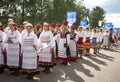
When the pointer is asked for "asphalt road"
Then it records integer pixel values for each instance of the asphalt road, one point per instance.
(103, 67)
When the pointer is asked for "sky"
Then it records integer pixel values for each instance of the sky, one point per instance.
(110, 6)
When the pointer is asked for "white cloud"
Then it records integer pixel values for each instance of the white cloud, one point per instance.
(93, 3)
(110, 6)
(114, 18)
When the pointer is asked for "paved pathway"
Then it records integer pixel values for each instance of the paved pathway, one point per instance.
(104, 67)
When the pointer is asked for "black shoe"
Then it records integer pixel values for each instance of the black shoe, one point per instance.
(94, 53)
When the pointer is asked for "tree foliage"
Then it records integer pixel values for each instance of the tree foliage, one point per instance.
(35, 11)
(96, 15)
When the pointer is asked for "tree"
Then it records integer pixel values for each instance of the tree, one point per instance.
(96, 15)
(35, 11)
(9, 8)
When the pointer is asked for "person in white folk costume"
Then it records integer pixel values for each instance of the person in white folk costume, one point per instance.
(57, 29)
(52, 29)
(2, 49)
(38, 29)
(106, 41)
(10, 21)
(46, 45)
(29, 47)
(13, 49)
(72, 44)
(86, 40)
(100, 39)
(80, 45)
(24, 31)
(63, 45)
(94, 40)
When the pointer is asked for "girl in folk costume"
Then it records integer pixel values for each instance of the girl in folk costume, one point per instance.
(80, 45)
(13, 49)
(72, 44)
(63, 44)
(52, 29)
(30, 66)
(87, 43)
(2, 49)
(57, 27)
(100, 39)
(46, 44)
(37, 29)
(24, 31)
(94, 40)
(106, 41)
(57, 30)
(21, 28)
(10, 21)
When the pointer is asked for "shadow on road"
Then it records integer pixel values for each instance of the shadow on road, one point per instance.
(105, 56)
(74, 72)
(94, 59)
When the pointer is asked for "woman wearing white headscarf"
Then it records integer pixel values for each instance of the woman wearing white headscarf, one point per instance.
(29, 53)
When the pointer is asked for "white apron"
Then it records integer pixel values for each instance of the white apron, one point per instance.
(29, 60)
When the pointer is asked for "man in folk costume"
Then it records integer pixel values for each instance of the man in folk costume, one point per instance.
(87, 43)
(72, 44)
(80, 45)
(111, 37)
(13, 49)
(63, 44)
(37, 29)
(46, 44)
(30, 59)
(2, 49)
(94, 40)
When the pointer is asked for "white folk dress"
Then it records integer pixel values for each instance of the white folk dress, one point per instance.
(46, 42)
(2, 45)
(73, 46)
(63, 38)
(106, 41)
(100, 39)
(13, 48)
(29, 59)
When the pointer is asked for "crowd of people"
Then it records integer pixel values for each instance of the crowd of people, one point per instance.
(26, 49)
